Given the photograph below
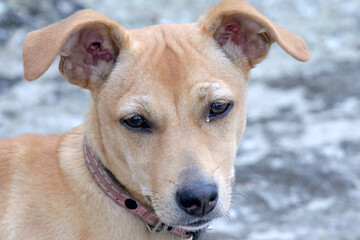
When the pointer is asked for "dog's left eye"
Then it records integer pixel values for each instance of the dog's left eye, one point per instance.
(136, 122)
(218, 109)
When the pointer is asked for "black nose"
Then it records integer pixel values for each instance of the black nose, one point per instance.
(197, 198)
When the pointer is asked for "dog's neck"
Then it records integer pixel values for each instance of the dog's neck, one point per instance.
(117, 192)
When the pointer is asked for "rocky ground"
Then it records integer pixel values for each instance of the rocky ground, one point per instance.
(298, 166)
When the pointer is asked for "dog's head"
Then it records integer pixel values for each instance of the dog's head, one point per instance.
(169, 101)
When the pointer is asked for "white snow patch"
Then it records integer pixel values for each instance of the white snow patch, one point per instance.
(320, 204)
(265, 101)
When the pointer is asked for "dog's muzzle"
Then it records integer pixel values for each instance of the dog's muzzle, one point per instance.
(113, 189)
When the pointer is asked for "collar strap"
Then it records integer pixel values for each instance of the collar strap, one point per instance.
(113, 189)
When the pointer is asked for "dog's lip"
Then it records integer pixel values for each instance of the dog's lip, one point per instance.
(197, 225)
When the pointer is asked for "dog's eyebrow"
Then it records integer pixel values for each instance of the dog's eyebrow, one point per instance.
(212, 90)
(137, 104)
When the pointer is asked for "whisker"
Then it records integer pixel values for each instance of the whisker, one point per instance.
(218, 166)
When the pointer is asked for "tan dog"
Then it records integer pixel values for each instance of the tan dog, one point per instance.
(168, 112)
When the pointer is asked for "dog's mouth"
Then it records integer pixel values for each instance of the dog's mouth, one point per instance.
(195, 226)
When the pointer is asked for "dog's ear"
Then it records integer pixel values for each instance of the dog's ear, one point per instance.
(246, 34)
(87, 42)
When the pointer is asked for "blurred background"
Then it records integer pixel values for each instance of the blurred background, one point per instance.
(298, 166)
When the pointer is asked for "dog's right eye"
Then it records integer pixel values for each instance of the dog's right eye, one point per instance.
(136, 122)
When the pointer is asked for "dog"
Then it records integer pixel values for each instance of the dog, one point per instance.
(154, 158)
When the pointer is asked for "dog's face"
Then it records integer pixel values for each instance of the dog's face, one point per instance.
(169, 100)
(175, 116)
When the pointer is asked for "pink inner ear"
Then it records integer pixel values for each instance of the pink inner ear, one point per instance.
(232, 30)
(98, 53)
(244, 34)
(93, 42)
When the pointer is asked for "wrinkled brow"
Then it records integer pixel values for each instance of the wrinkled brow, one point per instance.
(212, 90)
(136, 104)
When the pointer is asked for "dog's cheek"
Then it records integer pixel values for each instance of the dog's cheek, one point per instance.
(139, 173)
(225, 177)
(225, 193)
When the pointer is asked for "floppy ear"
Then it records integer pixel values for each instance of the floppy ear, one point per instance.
(246, 34)
(87, 42)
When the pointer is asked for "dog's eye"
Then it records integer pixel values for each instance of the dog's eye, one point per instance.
(218, 109)
(136, 122)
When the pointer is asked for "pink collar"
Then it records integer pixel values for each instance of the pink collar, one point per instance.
(113, 189)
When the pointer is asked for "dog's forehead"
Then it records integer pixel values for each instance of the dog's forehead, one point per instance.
(174, 63)
(165, 37)
(174, 56)
(170, 53)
